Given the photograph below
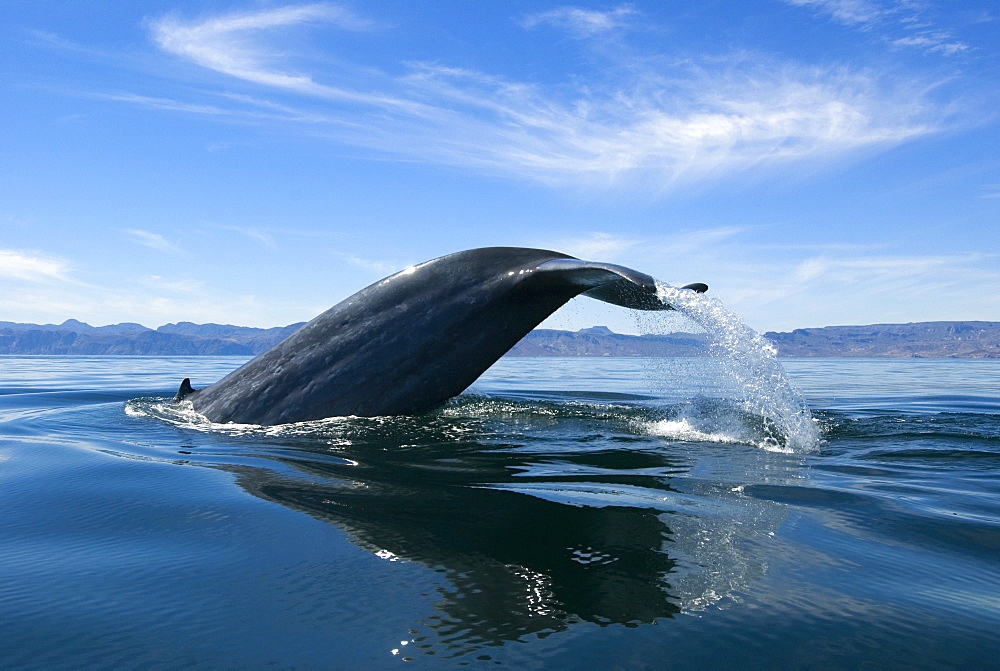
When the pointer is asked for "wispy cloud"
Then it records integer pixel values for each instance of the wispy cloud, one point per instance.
(851, 12)
(865, 288)
(179, 285)
(41, 289)
(900, 23)
(777, 287)
(236, 45)
(580, 22)
(875, 268)
(698, 241)
(658, 125)
(767, 298)
(152, 240)
(380, 268)
(262, 236)
(148, 306)
(51, 39)
(31, 267)
(172, 105)
(933, 42)
(597, 246)
(224, 44)
(907, 268)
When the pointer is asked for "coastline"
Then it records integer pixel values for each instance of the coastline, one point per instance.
(919, 340)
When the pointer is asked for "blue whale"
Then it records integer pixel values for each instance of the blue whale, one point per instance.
(409, 342)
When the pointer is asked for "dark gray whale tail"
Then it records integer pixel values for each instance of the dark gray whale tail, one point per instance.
(409, 342)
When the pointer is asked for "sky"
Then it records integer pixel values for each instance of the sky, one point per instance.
(815, 162)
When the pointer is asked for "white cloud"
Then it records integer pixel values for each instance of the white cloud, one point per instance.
(876, 268)
(221, 43)
(781, 287)
(179, 285)
(657, 126)
(235, 44)
(695, 242)
(861, 289)
(604, 247)
(31, 267)
(846, 11)
(172, 105)
(151, 240)
(262, 236)
(889, 19)
(644, 251)
(810, 269)
(580, 22)
(933, 42)
(150, 300)
(381, 268)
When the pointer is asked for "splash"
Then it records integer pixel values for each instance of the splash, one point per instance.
(757, 382)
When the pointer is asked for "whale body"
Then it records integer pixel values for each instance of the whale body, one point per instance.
(409, 342)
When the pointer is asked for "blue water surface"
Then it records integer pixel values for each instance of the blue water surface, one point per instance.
(563, 513)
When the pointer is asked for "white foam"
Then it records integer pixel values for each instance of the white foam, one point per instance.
(682, 429)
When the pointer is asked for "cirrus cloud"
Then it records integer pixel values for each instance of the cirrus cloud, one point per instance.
(32, 267)
(660, 124)
(888, 19)
(580, 22)
(152, 240)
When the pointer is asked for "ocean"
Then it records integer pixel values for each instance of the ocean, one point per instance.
(564, 513)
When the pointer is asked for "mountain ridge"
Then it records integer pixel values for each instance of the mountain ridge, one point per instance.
(942, 339)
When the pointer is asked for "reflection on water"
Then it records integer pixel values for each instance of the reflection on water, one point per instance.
(539, 515)
(543, 521)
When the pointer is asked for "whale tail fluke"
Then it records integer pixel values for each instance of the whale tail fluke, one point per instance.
(409, 342)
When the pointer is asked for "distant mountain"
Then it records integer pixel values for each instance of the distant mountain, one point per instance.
(602, 341)
(74, 326)
(184, 338)
(972, 339)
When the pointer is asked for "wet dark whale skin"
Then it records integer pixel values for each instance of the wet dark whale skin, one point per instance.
(409, 342)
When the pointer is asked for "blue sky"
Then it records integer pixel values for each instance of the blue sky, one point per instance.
(816, 162)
